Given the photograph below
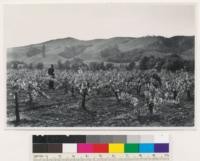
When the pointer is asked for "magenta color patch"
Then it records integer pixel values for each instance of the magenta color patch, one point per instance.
(85, 148)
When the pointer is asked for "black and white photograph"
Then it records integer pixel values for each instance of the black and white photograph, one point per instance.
(100, 65)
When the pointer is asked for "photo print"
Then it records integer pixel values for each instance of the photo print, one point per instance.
(100, 65)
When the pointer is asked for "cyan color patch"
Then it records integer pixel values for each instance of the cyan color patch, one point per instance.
(146, 148)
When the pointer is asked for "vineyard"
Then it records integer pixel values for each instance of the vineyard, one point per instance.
(111, 98)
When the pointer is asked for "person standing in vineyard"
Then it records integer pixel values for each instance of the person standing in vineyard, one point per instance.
(52, 76)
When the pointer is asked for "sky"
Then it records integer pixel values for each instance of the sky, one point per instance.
(26, 24)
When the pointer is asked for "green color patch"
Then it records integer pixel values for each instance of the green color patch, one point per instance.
(131, 148)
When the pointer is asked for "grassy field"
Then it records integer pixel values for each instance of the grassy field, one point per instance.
(63, 110)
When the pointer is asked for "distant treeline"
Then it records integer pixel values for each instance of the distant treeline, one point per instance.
(172, 63)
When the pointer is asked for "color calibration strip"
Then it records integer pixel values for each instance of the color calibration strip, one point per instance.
(101, 144)
(101, 148)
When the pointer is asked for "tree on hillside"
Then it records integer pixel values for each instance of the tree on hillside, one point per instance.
(67, 65)
(77, 63)
(96, 66)
(40, 66)
(147, 62)
(60, 65)
(131, 65)
(174, 62)
(189, 65)
(159, 63)
(109, 66)
(30, 66)
(144, 63)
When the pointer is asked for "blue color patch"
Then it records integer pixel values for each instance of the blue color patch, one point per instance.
(146, 148)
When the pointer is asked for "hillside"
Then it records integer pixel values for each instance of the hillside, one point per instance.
(117, 49)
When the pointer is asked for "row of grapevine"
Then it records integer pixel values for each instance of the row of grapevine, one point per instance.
(29, 83)
(128, 87)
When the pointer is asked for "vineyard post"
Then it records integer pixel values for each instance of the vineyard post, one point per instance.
(117, 97)
(83, 100)
(72, 91)
(30, 96)
(188, 95)
(138, 87)
(175, 94)
(116, 94)
(17, 108)
(151, 106)
(138, 113)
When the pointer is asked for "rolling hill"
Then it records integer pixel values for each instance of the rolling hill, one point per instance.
(116, 50)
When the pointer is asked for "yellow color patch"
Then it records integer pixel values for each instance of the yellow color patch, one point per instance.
(116, 148)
